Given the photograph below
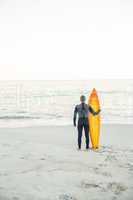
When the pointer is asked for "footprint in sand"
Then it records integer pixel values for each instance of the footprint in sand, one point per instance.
(130, 167)
(106, 174)
(99, 172)
(116, 188)
(88, 185)
(35, 169)
(105, 149)
(66, 197)
(42, 159)
(110, 158)
(3, 174)
(23, 158)
(127, 166)
(15, 198)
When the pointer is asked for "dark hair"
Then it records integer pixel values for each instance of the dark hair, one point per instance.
(82, 98)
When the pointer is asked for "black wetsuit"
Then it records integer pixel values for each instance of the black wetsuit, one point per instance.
(83, 111)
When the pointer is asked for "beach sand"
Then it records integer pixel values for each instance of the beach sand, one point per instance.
(43, 163)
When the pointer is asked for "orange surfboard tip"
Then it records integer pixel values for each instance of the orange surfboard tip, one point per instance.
(94, 90)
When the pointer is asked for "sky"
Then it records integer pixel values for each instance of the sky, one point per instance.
(73, 39)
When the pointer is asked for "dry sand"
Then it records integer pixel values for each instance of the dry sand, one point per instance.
(43, 163)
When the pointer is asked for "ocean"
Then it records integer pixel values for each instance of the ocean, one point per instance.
(40, 103)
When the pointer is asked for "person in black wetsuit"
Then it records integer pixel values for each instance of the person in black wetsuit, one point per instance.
(83, 111)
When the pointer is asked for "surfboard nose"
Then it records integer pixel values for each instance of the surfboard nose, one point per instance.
(94, 91)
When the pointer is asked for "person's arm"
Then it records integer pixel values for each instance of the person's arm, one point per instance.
(93, 112)
(96, 113)
(75, 116)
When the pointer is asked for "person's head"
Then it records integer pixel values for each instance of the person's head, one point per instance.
(82, 99)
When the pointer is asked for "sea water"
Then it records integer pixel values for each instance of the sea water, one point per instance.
(38, 103)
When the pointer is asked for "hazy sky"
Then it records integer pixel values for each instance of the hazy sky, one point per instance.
(66, 39)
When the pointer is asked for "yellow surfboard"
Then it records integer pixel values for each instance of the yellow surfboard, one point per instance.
(94, 121)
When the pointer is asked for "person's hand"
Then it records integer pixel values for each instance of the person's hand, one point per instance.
(94, 113)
